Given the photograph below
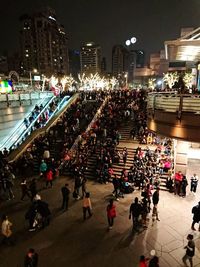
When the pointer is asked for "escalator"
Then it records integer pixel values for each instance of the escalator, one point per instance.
(39, 121)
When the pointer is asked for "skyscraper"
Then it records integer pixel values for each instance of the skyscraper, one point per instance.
(90, 58)
(43, 43)
(120, 59)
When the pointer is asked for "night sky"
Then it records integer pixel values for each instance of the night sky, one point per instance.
(107, 22)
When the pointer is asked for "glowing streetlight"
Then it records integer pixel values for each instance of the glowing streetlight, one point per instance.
(35, 71)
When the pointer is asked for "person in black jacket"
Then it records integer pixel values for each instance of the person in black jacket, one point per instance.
(65, 194)
(196, 216)
(134, 212)
(155, 199)
(190, 251)
(31, 258)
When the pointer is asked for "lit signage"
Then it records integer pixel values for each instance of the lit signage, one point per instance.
(36, 78)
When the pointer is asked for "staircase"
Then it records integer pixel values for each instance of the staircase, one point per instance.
(130, 144)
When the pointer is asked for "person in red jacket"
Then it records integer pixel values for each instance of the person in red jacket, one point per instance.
(143, 261)
(111, 213)
(178, 182)
(49, 178)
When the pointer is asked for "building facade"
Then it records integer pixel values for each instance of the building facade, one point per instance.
(43, 44)
(120, 59)
(90, 58)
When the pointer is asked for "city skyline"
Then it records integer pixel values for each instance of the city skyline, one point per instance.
(108, 22)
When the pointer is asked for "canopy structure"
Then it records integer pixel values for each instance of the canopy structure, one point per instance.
(185, 48)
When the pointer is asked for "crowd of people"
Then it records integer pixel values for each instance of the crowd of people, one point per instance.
(101, 139)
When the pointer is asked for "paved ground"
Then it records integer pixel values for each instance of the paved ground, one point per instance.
(69, 241)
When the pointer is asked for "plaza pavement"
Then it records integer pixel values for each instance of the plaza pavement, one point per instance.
(70, 242)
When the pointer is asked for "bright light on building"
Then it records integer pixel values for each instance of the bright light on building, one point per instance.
(133, 40)
(128, 42)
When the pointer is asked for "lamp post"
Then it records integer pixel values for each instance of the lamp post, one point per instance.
(31, 82)
(128, 43)
(43, 81)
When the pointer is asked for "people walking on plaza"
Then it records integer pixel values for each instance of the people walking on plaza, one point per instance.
(30, 216)
(65, 195)
(184, 186)
(31, 258)
(33, 188)
(190, 251)
(6, 230)
(116, 185)
(193, 183)
(143, 261)
(49, 178)
(111, 213)
(43, 168)
(196, 216)
(24, 189)
(155, 199)
(178, 182)
(87, 206)
(134, 212)
(83, 186)
(154, 262)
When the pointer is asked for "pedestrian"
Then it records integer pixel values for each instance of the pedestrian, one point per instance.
(43, 168)
(143, 261)
(24, 189)
(196, 216)
(134, 212)
(193, 183)
(154, 262)
(184, 186)
(65, 194)
(124, 155)
(111, 213)
(116, 185)
(83, 186)
(190, 251)
(31, 258)
(87, 207)
(33, 188)
(49, 178)
(155, 199)
(178, 182)
(31, 215)
(6, 230)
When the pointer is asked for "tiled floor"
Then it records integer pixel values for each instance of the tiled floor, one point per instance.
(69, 241)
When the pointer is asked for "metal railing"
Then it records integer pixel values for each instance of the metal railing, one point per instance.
(173, 102)
(25, 96)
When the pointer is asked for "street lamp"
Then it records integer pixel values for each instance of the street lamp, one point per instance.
(31, 82)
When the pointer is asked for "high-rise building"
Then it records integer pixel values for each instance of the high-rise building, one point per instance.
(90, 58)
(119, 60)
(43, 43)
(103, 65)
(74, 62)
